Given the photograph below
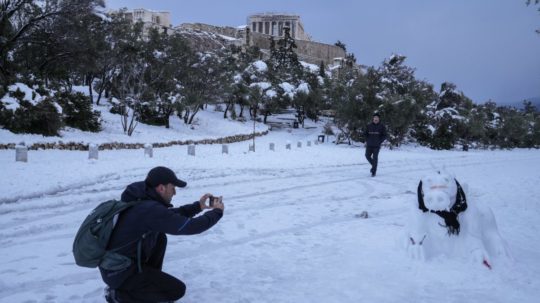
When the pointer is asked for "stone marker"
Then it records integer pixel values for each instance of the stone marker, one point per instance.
(251, 148)
(272, 147)
(93, 151)
(148, 151)
(225, 149)
(309, 143)
(288, 145)
(363, 215)
(21, 153)
(299, 144)
(191, 150)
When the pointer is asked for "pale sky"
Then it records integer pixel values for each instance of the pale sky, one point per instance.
(488, 48)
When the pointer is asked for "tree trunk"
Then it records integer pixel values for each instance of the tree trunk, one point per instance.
(89, 81)
(101, 88)
(226, 110)
(186, 116)
(99, 97)
(193, 115)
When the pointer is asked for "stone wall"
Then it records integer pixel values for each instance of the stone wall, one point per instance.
(199, 35)
(222, 30)
(309, 51)
(120, 145)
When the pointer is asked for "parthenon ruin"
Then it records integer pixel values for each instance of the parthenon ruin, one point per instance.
(273, 24)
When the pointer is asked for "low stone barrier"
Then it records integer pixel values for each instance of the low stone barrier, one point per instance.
(120, 145)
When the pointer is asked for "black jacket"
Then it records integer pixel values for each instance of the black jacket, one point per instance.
(375, 134)
(153, 216)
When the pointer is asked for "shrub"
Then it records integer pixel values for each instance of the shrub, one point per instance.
(77, 111)
(42, 118)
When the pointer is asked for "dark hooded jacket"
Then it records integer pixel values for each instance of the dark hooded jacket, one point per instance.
(375, 134)
(151, 217)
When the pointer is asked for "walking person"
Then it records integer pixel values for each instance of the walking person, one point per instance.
(150, 220)
(375, 134)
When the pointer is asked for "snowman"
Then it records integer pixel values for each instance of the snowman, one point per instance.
(444, 222)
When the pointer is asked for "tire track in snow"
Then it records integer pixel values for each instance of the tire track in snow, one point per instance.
(34, 229)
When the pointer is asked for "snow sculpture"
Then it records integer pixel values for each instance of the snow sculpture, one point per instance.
(446, 222)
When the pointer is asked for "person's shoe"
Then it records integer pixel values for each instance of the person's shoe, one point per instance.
(110, 295)
(373, 173)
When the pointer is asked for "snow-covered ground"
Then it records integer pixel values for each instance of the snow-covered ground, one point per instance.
(290, 231)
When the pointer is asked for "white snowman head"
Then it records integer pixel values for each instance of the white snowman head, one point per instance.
(438, 191)
(442, 194)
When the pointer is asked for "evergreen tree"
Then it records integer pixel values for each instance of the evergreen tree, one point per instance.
(283, 61)
(341, 45)
(402, 97)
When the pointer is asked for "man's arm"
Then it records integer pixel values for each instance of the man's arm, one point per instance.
(188, 210)
(366, 133)
(170, 222)
(383, 134)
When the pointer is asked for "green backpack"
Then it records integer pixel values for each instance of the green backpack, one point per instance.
(90, 244)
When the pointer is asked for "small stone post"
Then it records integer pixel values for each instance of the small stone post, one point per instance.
(148, 151)
(93, 151)
(272, 147)
(191, 150)
(252, 148)
(288, 145)
(21, 153)
(299, 144)
(309, 143)
(225, 149)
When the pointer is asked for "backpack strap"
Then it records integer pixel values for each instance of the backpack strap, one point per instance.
(139, 252)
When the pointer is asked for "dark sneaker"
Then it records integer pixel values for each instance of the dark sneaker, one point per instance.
(373, 173)
(110, 295)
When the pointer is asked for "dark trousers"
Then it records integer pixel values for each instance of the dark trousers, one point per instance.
(372, 155)
(152, 285)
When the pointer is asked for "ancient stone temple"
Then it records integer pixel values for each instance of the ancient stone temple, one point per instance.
(150, 19)
(274, 23)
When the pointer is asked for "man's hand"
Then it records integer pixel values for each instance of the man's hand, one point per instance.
(202, 201)
(218, 202)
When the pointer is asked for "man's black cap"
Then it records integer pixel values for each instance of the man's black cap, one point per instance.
(163, 175)
(376, 115)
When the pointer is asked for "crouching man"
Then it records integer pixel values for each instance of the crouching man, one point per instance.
(140, 233)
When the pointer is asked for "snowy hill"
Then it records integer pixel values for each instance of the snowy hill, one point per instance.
(291, 230)
(208, 124)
